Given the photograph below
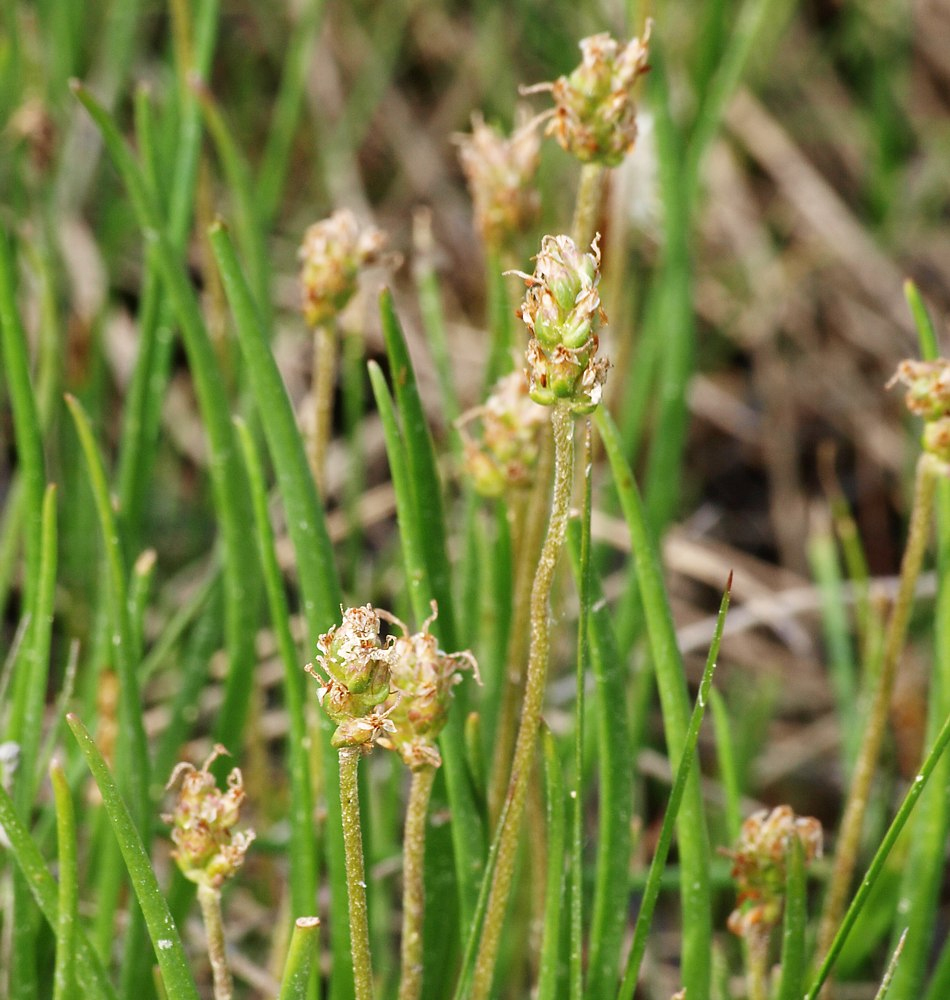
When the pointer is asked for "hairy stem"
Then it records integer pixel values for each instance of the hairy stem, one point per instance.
(210, 900)
(526, 544)
(413, 870)
(563, 430)
(355, 873)
(323, 380)
(849, 837)
(757, 958)
(587, 206)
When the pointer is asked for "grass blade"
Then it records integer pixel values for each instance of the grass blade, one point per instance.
(303, 874)
(877, 864)
(792, 982)
(166, 941)
(550, 966)
(64, 974)
(90, 975)
(300, 959)
(230, 501)
(652, 889)
(671, 682)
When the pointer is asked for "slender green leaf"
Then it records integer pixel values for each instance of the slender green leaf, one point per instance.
(880, 857)
(166, 941)
(671, 682)
(300, 959)
(66, 924)
(132, 758)
(303, 874)
(550, 965)
(652, 890)
(792, 982)
(89, 971)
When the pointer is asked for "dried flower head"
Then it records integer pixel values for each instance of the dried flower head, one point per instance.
(500, 173)
(562, 310)
(595, 116)
(759, 865)
(357, 681)
(331, 255)
(207, 849)
(928, 396)
(423, 678)
(503, 454)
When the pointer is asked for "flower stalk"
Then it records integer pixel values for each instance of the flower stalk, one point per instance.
(209, 899)
(355, 873)
(562, 424)
(413, 905)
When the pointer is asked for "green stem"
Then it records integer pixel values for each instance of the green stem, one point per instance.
(757, 958)
(355, 873)
(849, 837)
(413, 871)
(563, 429)
(587, 206)
(210, 900)
(527, 543)
(324, 378)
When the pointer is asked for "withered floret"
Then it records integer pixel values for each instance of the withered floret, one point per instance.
(331, 256)
(207, 848)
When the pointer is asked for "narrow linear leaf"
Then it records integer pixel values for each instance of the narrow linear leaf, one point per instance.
(792, 983)
(652, 890)
(671, 682)
(66, 924)
(554, 888)
(90, 974)
(303, 874)
(133, 753)
(166, 941)
(300, 959)
(230, 501)
(877, 863)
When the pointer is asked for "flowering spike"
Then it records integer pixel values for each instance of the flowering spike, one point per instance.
(357, 665)
(500, 172)
(595, 117)
(562, 310)
(207, 849)
(423, 677)
(759, 865)
(331, 255)
(504, 454)
(928, 396)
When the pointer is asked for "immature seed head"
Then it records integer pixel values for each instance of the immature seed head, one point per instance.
(207, 848)
(423, 678)
(760, 863)
(500, 173)
(928, 396)
(595, 116)
(562, 310)
(502, 455)
(331, 255)
(357, 681)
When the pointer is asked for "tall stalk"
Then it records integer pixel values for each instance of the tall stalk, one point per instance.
(355, 873)
(413, 906)
(562, 425)
(324, 377)
(209, 899)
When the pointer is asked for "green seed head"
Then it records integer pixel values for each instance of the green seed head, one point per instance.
(331, 255)
(928, 396)
(207, 849)
(562, 310)
(595, 116)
